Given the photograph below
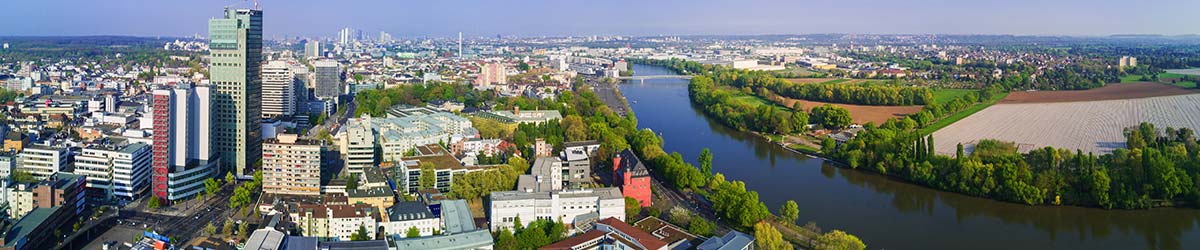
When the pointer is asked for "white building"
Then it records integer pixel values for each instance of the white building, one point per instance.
(334, 221)
(183, 156)
(358, 145)
(406, 215)
(116, 170)
(291, 166)
(568, 206)
(278, 90)
(42, 161)
(396, 136)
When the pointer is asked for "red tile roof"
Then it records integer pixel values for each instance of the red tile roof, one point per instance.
(642, 237)
(569, 243)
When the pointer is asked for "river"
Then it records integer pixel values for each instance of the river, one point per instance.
(884, 212)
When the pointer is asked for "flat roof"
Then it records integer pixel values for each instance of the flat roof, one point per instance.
(468, 240)
(456, 215)
(27, 223)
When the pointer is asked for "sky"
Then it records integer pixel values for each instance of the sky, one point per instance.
(444, 18)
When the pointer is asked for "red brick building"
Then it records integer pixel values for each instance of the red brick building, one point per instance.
(632, 177)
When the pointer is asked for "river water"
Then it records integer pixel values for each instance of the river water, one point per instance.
(887, 213)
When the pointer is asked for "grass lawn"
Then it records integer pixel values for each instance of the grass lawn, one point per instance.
(754, 101)
(960, 115)
(946, 95)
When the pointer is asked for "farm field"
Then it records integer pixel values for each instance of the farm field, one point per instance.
(810, 80)
(861, 114)
(1171, 77)
(1108, 92)
(946, 95)
(1091, 126)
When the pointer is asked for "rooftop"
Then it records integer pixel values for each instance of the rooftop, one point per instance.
(409, 210)
(456, 215)
(468, 240)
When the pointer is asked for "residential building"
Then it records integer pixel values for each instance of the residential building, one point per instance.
(291, 166)
(577, 163)
(1127, 62)
(568, 206)
(8, 163)
(15, 141)
(459, 231)
(36, 229)
(632, 177)
(60, 190)
(115, 170)
(522, 116)
(492, 73)
(184, 146)
(406, 215)
(334, 222)
(407, 173)
(357, 145)
(235, 50)
(329, 79)
(278, 90)
(43, 161)
(399, 135)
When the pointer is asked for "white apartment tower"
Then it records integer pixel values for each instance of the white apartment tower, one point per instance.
(184, 154)
(278, 90)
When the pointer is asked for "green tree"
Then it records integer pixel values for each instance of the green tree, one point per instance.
(705, 160)
(838, 240)
(351, 181)
(413, 232)
(210, 229)
(766, 237)
(505, 240)
(227, 227)
(211, 186)
(361, 234)
(244, 230)
(790, 211)
(428, 177)
(701, 226)
(632, 208)
(154, 202)
(229, 177)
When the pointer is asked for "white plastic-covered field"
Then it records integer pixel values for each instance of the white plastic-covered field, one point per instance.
(1094, 126)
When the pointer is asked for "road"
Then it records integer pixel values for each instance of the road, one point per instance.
(609, 94)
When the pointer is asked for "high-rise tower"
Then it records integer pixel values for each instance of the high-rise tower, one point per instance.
(235, 46)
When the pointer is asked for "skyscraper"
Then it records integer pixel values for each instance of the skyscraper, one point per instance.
(344, 37)
(328, 80)
(279, 95)
(489, 74)
(312, 49)
(183, 145)
(235, 47)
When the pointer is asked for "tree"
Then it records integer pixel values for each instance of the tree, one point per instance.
(575, 129)
(22, 176)
(790, 211)
(632, 208)
(211, 186)
(153, 203)
(831, 117)
(361, 234)
(227, 227)
(428, 177)
(351, 181)
(705, 160)
(229, 177)
(701, 226)
(766, 237)
(679, 216)
(210, 229)
(838, 240)
(505, 240)
(413, 232)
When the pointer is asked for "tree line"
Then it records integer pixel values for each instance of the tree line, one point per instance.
(1159, 168)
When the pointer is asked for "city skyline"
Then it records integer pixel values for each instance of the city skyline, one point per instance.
(558, 18)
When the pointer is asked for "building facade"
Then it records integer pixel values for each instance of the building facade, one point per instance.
(328, 79)
(183, 145)
(278, 90)
(115, 170)
(235, 49)
(291, 166)
(568, 206)
(632, 177)
(492, 73)
(43, 161)
(358, 145)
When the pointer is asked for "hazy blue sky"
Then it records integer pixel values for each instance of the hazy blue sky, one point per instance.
(443, 18)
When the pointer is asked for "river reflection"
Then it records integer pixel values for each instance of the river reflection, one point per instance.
(890, 214)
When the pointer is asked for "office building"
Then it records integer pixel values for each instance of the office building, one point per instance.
(115, 169)
(492, 73)
(312, 49)
(184, 145)
(569, 206)
(235, 48)
(399, 135)
(278, 90)
(291, 166)
(328, 79)
(43, 161)
(358, 145)
(459, 231)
